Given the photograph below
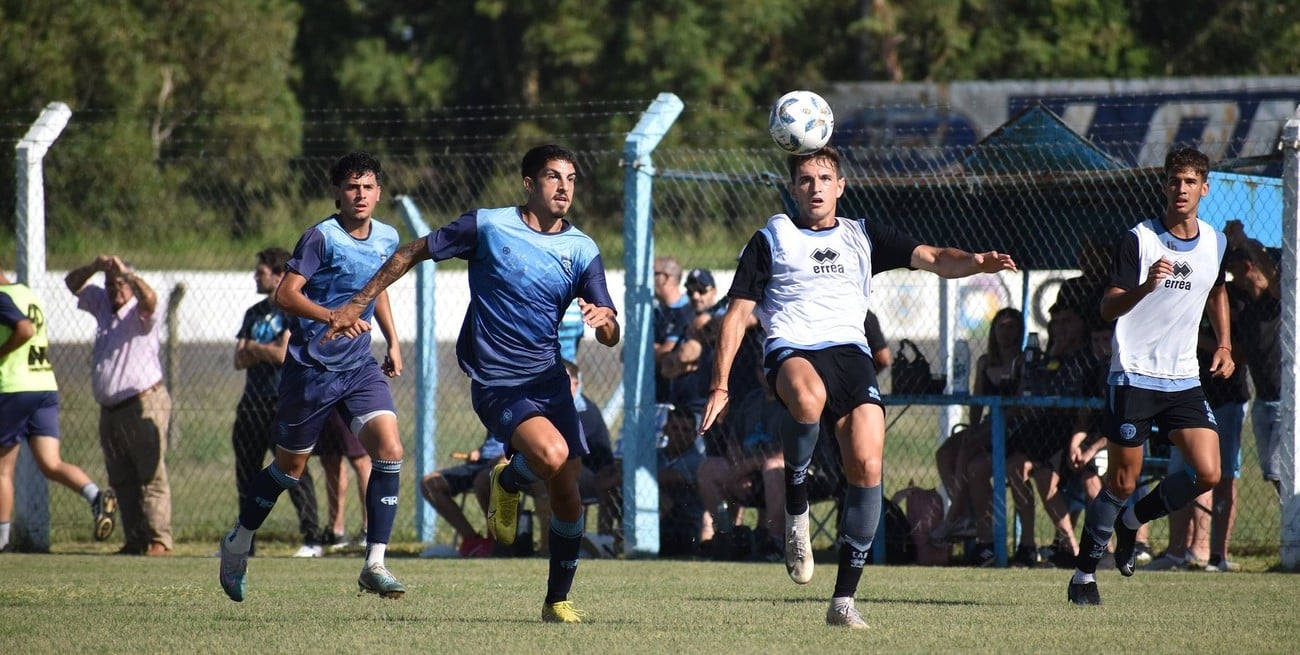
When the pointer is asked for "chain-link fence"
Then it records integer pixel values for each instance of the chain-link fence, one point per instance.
(1040, 198)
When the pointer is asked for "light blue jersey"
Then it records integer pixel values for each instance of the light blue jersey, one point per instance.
(521, 281)
(336, 266)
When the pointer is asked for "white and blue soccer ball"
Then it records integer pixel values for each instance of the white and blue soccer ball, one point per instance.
(801, 122)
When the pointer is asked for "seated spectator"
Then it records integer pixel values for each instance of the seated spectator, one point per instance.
(1041, 441)
(964, 458)
(441, 488)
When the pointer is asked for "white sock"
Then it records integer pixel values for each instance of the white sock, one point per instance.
(90, 492)
(4, 533)
(240, 540)
(375, 554)
(1083, 578)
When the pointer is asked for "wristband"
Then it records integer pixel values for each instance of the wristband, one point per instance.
(715, 389)
(1227, 348)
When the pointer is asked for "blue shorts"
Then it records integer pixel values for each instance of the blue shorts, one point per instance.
(26, 414)
(307, 395)
(502, 409)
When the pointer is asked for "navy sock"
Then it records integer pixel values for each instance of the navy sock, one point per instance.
(1174, 492)
(517, 475)
(566, 540)
(798, 442)
(381, 500)
(1098, 526)
(861, 516)
(264, 489)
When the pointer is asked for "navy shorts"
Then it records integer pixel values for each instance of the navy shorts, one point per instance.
(848, 373)
(502, 409)
(1130, 413)
(25, 414)
(307, 395)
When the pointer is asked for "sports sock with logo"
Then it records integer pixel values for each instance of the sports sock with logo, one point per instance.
(381, 500)
(798, 442)
(1098, 526)
(517, 474)
(565, 540)
(861, 516)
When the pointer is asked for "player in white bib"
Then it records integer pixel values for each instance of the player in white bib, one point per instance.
(809, 280)
(1167, 272)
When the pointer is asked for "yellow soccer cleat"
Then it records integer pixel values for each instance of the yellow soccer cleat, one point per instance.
(503, 508)
(561, 612)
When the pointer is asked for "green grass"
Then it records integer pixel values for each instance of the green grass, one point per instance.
(90, 603)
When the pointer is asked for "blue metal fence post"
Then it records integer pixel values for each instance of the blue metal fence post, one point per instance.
(640, 483)
(426, 371)
(998, 417)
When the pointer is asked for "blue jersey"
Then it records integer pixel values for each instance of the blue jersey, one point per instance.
(521, 281)
(336, 265)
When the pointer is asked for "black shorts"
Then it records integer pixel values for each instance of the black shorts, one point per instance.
(848, 373)
(1130, 413)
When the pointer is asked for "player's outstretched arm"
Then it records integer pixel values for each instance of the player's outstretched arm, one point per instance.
(954, 262)
(409, 254)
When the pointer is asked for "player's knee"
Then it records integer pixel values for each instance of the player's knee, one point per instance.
(1208, 479)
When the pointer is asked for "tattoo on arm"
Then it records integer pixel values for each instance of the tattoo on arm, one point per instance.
(402, 260)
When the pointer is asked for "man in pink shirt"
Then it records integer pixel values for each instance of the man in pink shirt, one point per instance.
(135, 408)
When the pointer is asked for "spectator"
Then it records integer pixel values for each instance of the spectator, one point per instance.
(672, 318)
(1199, 532)
(1257, 279)
(1042, 441)
(29, 409)
(340, 449)
(135, 408)
(1086, 291)
(441, 487)
(964, 459)
(260, 345)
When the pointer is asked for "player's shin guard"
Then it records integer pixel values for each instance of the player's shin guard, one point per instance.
(381, 500)
(1174, 492)
(1098, 526)
(566, 540)
(263, 490)
(798, 441)
(861, 516)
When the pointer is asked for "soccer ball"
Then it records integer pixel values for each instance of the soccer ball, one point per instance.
(801, 122)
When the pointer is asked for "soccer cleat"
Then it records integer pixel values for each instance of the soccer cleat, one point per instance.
(376, 579)
(561, 612)
(1084, 593)
(503, 508)
(1166, 562)
(105, 509)
(798, 548)
(843, 613)
(310, 550)
(1125, 548)
(234, 567)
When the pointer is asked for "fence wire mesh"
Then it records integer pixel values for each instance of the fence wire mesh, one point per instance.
(1044, 200)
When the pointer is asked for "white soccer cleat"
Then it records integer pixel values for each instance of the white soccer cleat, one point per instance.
(798, 548)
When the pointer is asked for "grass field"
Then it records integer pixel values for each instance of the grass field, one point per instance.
(93, 603)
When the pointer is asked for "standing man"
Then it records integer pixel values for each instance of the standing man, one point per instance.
(809, 278)
(260, 346)
(526, 265)
(331, 261)
(1164, 271)
(135, 408)
(29, 409)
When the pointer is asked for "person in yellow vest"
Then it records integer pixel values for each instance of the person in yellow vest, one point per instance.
(29, 408)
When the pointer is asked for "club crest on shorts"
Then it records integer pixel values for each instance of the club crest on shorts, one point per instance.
(506, 417)
(1128, 432)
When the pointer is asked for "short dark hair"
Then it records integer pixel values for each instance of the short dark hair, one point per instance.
(829, 153)
(1187, 158)
(273, 258)
(354, 164)
(535, 159)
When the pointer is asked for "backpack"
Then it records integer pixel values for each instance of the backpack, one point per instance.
(899, 546)
(924, 512)
(911, 375)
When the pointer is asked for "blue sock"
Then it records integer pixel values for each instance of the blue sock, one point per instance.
(1098, 526)
(517, 474)
(263, 491)
(566, 540)
(381, 500)
(861, 516)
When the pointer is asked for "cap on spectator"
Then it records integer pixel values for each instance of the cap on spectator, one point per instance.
(699, 278)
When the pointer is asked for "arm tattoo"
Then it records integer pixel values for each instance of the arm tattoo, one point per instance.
(402, 260)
